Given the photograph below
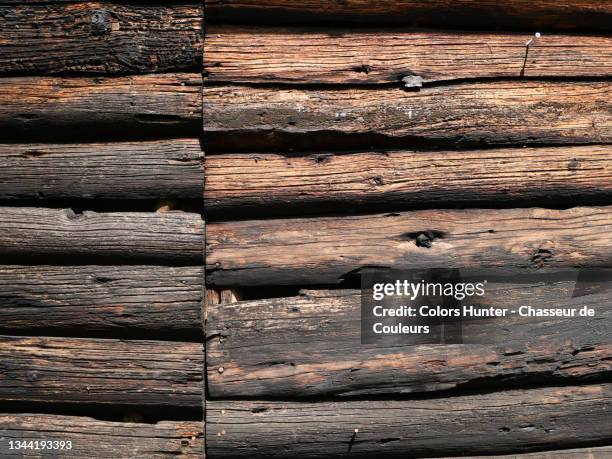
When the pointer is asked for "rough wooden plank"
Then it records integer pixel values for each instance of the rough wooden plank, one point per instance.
(101, 298)
(495, 423)
(91, 438)
(373, 56)
(100, 37)
(524, 14)
(328, 250)
(310, 346)
(603, 452)
(100, 107)
(469, 114)
(101, 371)
(274, 183)
(161, 169)
(138, 237)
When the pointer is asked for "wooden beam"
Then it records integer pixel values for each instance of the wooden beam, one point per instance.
(101, 371)
(101, 298)
(495, 423)
(56, 108)
(33, 233)
(524, 14)
(261, 183)
(603, 452)
(310, 346)
(92, 437)
(160, 169)
(103, 38)
(469, 114)
(373, 56)
(328, 250)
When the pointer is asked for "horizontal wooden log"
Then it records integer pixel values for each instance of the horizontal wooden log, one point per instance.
(274, 183)
(330, 250)
(468, 114)
(101, 371)
(603, 452)
(495, 423)
(137, 237)
(524, 14)
(99, 107)
(101, 298)
(371, 56)
(92, 438)
(310, 346)
(162, 169)
(100, 37)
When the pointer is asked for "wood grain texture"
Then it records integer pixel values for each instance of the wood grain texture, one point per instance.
(469, 114)
(310, 346)
(373, 56)
(137, 237)
(328, 250)
(500, 422)
(100, 298)
(161, 169)
(101, 371)
(603, 452)
(100, 107)
(524, 14)
(93, 438)
(273, 183)
(100, 37)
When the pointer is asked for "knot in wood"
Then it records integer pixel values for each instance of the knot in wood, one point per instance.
(424, 240)
(101, 22)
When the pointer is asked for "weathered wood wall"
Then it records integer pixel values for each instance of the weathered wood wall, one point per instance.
(339, 137)
(100, 108)
(346, 55)
(330, 250)
(89, 437)
(158, 169)
(103, 371)
(282, 184)
(104, 299)
(504, 421)
(100, 37)
(100, 294)
(462, 115)
(310, 346)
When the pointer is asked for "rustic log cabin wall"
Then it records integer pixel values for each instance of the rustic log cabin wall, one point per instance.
(342, 136)
(339, 135)
(102, 230)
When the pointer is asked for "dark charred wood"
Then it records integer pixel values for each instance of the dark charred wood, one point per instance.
(524, 14)
(603, 452)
